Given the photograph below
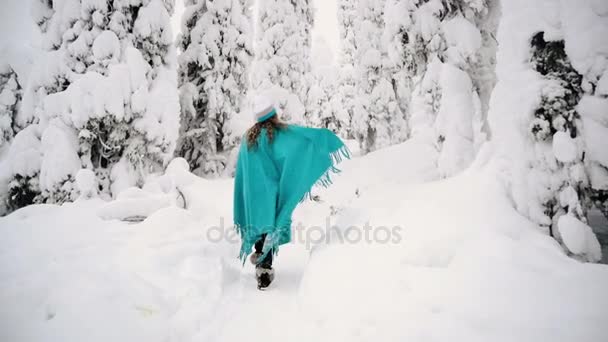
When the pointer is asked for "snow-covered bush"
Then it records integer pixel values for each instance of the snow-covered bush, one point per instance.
(24, 158)
(10, 98)
(541, 119)
(282, 50)
(103, 94)
(160, 190)
(377, 119)
(216, 43)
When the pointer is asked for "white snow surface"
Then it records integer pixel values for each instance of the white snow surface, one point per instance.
(463, 265)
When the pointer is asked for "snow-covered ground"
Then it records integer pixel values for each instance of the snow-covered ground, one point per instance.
(445, 261)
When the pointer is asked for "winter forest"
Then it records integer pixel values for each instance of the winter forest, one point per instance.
(479, 128)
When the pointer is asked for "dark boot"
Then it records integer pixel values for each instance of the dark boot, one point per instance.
(265, 276)
(263, 268)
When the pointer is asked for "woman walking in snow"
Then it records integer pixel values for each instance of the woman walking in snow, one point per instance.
(277, 166)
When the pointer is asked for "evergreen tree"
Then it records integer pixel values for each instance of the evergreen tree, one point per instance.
(104, 95)
(450, 80)
(281, 64)
(325, 105)
(213, 75)
(592, 109)
(326, 102)
(305, 13)
(548, 130)
(556, 132)
(347, 15)
(347, 90)
(377, 118)
(394, 38)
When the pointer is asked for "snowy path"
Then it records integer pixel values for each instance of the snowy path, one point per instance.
(466, 267)
(276, 314)
(246, 313)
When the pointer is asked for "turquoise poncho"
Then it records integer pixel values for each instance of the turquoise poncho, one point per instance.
(271, 179)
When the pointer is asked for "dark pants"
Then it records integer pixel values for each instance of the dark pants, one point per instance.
(267, 262)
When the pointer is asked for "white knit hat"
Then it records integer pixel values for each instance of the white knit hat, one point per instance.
(263, 108)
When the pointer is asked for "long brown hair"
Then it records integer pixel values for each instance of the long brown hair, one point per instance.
(270, 124)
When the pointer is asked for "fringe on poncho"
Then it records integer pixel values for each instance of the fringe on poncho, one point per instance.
(271, 179)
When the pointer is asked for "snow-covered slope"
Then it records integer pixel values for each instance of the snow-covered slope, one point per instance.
(462, 266)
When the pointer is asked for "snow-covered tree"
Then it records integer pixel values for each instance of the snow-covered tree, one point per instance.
(346, 93)
(548, 116)
(593, 108)
(103, 97)
(10, 98)
(325, 105)
(394, 39)
(216, 41)
(377, 118)
(282, 64)
(555, 128)
(443, 53)
(305, 13)
(593, 105)
(347, 14)
(324, 100)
